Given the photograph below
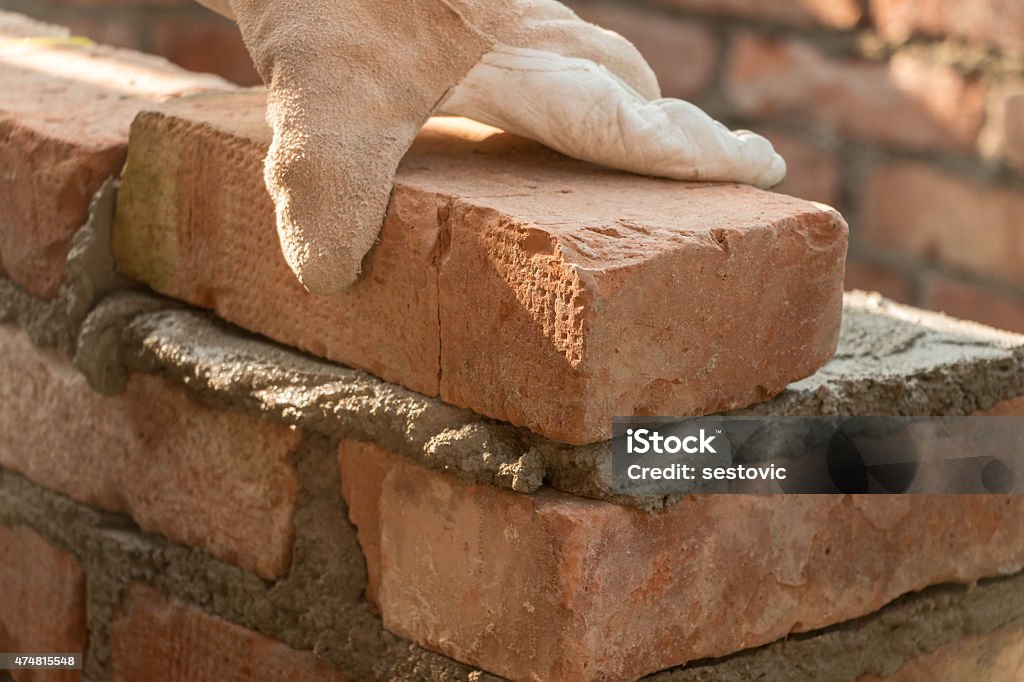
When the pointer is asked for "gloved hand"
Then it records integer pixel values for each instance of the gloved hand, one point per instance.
(351, 82)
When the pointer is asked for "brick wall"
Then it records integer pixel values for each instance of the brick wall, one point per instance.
(907, 115)
(182, 499)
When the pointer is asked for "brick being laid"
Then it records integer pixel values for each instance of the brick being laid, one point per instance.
(507, 279)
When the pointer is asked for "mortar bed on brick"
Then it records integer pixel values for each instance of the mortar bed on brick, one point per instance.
(889, 362)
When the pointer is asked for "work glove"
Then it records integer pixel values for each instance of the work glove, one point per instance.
(351, 82)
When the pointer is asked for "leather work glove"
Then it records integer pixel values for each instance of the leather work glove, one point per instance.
(351, 82)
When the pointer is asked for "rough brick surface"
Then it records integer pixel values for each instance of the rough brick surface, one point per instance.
(833, 13)
(156, 638)
(974, 302)
(43, 604)
(912, 208)
(542, 586)
(64, 118)
(995, 23)
(507, 279)
(995, 657)
(682, 53)
(199, 475)
(905, 102)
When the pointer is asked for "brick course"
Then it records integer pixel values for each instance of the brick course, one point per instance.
(544, 585)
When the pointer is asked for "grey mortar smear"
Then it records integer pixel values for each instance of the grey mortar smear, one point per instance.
(88, 277)
(892, 360)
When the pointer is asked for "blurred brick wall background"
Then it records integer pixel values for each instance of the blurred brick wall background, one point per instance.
(907, 115)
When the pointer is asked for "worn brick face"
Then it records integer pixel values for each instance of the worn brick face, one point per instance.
(905, 102)
(543, 586)
(197, 474)
(43, 605)
(157, 638)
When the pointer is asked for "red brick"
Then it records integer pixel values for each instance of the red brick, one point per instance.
(974, 302)
(868, 276)
(995, 23)
(832, 13)
(209, 45)
(994, 657)
(813, 172)
(914, 209)
(905, 102)
(156, 638)
(551, 586)
(43, 605)
(199, 475)
(682, 53)
(507, 279)
(64, 118)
